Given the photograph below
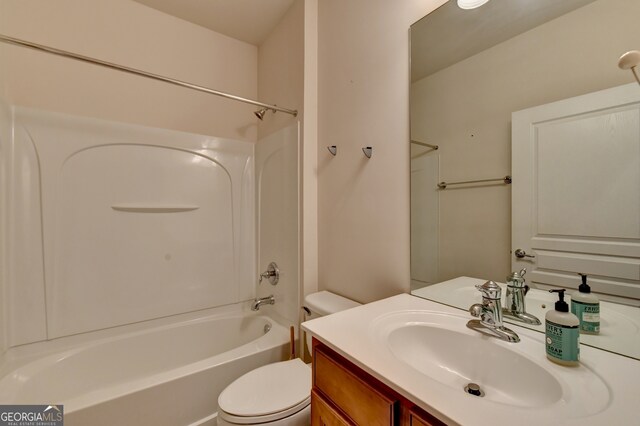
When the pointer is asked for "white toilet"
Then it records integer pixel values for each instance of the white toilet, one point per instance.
(278, 394)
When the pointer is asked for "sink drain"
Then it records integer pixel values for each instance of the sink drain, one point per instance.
(474, 389)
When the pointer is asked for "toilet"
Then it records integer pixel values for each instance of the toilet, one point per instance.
(278, 394)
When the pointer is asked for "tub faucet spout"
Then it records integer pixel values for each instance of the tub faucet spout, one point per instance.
(269, 300)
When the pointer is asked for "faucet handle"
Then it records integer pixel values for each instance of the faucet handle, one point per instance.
(490, 290)
(475, 309)
(516, 279)
(272, 274)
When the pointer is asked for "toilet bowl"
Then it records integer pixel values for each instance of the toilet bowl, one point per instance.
(277, 394)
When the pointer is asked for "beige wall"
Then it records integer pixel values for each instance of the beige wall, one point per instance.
(309, 151)
(5, 147)
(128, 33)
(5, 137)
(281, 69)
(466, 110)
(363, 99)
(287, 76)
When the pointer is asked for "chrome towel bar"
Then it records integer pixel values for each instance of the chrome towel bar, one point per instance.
(429, 145)
(506, 180)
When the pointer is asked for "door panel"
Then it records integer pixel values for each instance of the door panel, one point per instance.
(576, 191)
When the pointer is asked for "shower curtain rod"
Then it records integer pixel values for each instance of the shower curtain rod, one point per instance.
(63, 53)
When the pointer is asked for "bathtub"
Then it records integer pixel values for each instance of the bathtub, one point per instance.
(169, 372)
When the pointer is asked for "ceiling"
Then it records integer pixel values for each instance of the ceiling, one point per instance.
(247, 20)
(450, 34)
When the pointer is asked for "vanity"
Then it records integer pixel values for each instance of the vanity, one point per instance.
(409, 361)
(344, 393)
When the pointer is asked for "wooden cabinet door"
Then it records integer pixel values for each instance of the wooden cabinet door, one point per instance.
(344, 394)
(362, 402)
(322, 414)
(419, 417)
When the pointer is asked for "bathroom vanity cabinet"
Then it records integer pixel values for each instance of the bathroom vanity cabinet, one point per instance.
(385, 362)
(344, 394)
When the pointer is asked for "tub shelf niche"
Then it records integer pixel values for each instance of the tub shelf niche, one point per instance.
(145, 208)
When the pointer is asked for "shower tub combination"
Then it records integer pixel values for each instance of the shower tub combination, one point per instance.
(169, 372)
(141, 253)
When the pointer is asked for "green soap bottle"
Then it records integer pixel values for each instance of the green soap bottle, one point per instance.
(586, 306)
(562, 333)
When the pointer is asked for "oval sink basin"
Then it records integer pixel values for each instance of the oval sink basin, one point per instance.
(456, 359)
(439, 347)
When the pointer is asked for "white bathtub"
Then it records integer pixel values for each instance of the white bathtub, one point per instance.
(167, 373)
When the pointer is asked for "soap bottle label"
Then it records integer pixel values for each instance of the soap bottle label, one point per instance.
(588, 314)
(562, 342)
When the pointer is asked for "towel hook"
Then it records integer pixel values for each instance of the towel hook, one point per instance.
(333, 150)
(368, 150)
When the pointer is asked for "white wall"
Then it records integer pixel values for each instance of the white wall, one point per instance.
(466, 109)
(130, 34)
(363, 100)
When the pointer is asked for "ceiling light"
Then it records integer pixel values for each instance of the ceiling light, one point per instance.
(470, 4)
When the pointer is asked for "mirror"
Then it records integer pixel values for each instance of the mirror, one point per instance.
(475, 74)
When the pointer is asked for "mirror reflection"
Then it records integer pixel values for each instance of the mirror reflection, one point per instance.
(525, 157)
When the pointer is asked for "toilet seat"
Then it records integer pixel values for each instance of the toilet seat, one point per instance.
(267, 394)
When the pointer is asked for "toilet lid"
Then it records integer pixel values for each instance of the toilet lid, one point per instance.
(270, 389)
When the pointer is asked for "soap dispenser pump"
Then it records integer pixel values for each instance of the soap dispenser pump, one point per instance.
(562, 333)
(586, 306)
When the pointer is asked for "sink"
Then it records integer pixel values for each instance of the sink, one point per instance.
(457, 359)
(440, 348)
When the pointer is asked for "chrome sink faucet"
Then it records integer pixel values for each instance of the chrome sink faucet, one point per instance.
(515, 307)
(490, 313)
(269, 300)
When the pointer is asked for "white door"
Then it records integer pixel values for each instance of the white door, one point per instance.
(576, 192)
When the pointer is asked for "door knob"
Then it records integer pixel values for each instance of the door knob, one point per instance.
(521, 254)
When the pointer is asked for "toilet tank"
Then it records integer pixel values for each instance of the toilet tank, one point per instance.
(325, 303)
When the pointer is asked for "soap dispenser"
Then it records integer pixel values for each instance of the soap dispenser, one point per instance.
(586, 306)
(562, 333)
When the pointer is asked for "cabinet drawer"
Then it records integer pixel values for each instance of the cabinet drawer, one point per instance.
(363, 404)
(322, 414)
(418, 417)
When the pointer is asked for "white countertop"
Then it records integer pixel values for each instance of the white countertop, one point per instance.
(353, 334)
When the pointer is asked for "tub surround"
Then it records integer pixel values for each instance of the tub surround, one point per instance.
(131, 260)
(361, 343)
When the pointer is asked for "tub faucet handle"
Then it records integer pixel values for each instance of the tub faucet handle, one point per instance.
(272, 274)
